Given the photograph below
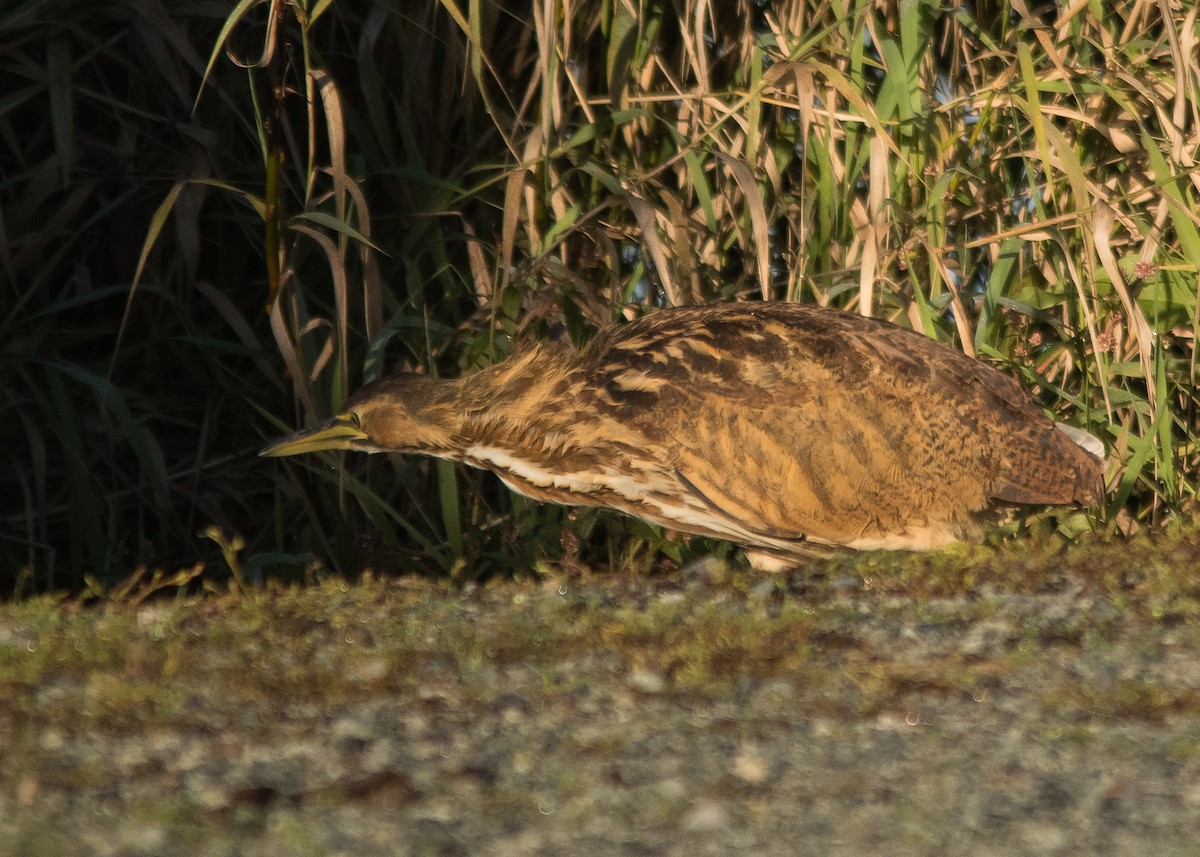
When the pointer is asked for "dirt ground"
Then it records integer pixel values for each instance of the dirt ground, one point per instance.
(1010, 700)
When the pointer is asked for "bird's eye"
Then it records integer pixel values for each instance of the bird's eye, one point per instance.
(356, 419)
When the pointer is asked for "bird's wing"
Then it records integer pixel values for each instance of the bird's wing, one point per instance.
(795, 421)
(828, 472)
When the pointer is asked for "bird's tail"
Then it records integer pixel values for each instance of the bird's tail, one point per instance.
(1089, 481)
(1084, 439)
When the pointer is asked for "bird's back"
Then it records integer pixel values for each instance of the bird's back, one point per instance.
(772, 424)
(800, 420)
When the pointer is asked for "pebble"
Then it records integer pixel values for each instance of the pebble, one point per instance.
(749, 766)
(646, 681)
(706, 815)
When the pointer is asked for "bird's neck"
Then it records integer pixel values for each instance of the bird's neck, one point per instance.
(524, 395)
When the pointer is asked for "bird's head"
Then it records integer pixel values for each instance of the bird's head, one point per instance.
(405, 413)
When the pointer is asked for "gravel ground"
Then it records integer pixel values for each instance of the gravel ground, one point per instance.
(992, 703)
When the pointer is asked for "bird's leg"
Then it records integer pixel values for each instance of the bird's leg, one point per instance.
(569, 540)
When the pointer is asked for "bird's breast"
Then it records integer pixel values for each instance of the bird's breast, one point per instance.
(638, 487)
(559, 477)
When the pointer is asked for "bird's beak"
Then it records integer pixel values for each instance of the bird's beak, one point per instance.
(337, 433)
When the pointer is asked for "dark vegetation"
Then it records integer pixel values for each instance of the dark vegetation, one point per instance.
(212, 229)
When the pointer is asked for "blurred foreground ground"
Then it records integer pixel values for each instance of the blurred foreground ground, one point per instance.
(1013, 701)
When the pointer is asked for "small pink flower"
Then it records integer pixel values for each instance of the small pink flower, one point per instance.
(1144, 270)
(1105, 341)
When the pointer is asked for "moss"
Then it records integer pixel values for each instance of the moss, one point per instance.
(33, 833)
(894, 644)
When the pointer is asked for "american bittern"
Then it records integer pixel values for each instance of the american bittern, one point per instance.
(776, 426)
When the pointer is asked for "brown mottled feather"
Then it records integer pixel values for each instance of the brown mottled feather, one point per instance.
(769, 424)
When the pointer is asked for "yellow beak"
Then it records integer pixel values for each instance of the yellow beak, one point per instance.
(337, 433)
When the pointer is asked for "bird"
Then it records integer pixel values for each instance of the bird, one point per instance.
(788, 429)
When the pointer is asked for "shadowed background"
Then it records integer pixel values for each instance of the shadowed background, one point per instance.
(427, 185)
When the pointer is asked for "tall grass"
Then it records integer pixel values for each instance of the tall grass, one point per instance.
(214, 227)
